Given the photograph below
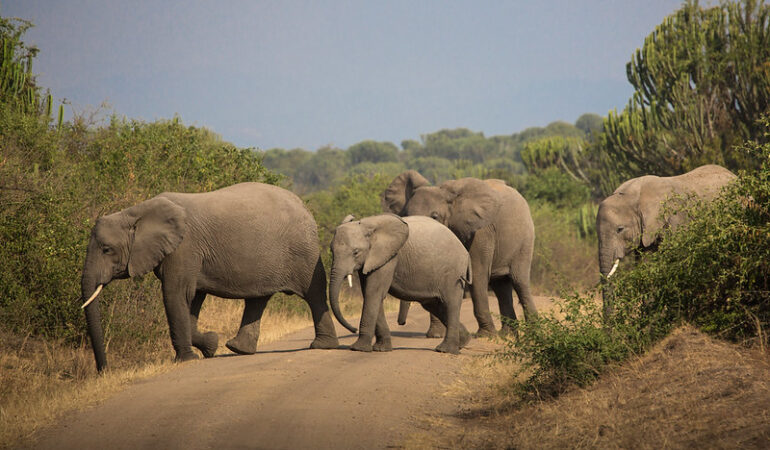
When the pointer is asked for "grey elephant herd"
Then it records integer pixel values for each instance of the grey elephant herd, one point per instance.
(432, 243)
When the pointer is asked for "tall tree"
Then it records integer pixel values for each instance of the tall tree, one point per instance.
(701, 80)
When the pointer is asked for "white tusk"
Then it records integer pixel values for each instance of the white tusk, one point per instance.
(93, 296)
(350, 280)
(614, 268)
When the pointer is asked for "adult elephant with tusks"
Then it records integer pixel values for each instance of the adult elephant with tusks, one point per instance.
(631, 218)
(249, 240)
(493, 222)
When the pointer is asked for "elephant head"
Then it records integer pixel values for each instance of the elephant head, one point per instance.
(631, 219)
(463, 205)
(125, 244)
(362, 246)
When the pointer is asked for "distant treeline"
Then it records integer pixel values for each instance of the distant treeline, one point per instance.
(439, 156)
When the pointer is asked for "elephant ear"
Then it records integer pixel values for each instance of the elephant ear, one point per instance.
(653, 195)
(159, 226)
(387, 234)
(473, 205)
(400, 190)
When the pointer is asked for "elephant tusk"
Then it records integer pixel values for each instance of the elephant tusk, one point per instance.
(350, 280)
(614, 268)
(93, 296)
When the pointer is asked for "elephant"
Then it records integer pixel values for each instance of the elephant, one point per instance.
(249, 240)
(631, 218)
(493, 222)
(413, 258)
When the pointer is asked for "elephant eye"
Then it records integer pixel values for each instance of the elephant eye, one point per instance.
(621, 228)
(434, 215)
(107, 250)
(356, 252)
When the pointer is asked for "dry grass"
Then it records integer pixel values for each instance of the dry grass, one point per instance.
(689, 391)
(42, 380)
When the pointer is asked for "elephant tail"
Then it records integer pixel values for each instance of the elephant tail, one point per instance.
(468, 279)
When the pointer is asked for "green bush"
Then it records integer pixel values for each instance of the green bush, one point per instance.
(569, 347)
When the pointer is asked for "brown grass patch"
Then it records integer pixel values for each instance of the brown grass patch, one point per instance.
(689, 391)
(40, 381)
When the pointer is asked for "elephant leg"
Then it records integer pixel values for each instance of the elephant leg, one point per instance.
(520, 274)
(325, 335)
(245, 342)
(374, 286)
(443, 311)
(481, 304)
(436, 328)
(503, 288)
(382, 341)
(208, 342)
(177, 300)
(481, 252)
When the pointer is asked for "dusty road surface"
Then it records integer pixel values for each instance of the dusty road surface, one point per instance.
(285, 397)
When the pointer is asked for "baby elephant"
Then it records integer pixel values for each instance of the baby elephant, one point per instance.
(412, 258)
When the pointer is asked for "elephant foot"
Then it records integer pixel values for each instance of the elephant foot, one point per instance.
(242, 346)
(362, 345)
(325, 342)
(509, 331)
(210, 344)
(188, 355)
(465, 337)
(436, 332)
(383, 346)
(446, 347)
(485, 332)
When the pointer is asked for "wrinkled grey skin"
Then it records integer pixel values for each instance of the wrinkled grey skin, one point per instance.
(414, 258)
(493, 222)
(630, 219)
(248, 241)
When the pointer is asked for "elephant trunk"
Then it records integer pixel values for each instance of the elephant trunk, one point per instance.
(403, 311)
(94, 322)
(335, 283)
(607, 266)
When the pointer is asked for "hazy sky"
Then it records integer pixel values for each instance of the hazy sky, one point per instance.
(311, 73)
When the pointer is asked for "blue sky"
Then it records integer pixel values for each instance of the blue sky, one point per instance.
(306, 74)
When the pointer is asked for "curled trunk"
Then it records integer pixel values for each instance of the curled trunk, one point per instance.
(335, 283)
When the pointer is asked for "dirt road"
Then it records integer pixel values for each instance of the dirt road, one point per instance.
(286, 396)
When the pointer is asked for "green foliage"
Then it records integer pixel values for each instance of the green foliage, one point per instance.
(569, 347)
(701, 80)
(591, 124)
(443, 155)
(17, 82)
(55, 183)
(372, 152)
(563, 153)
(556, 187)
